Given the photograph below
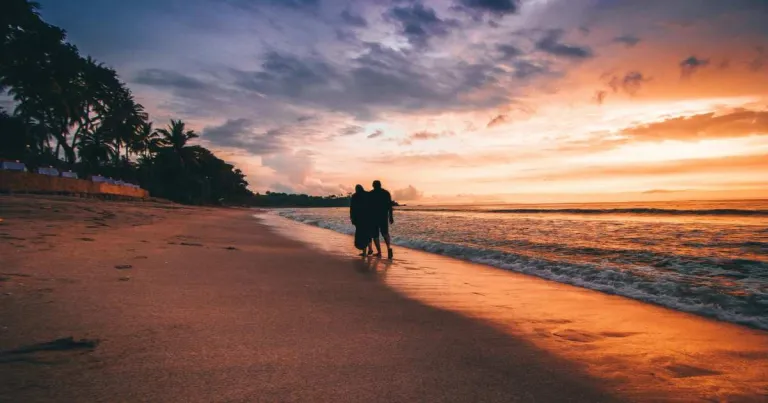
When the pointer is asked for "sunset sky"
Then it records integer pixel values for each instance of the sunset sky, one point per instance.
(455, 100)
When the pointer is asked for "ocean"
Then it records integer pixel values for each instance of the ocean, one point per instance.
(708, 258)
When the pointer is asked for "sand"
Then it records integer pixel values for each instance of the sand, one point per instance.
(184, 304)
(139, 301)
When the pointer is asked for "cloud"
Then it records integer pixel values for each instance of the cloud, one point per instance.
(419, 23)
(498, 120)
(254, 4)
(755, 163)
(408, 194)
(495, 7)
(599, 97)
(737, 123)
(239, 133)
(287, 75)
(296, 166)
(552, 45)
(629, 41)
(525, 69)
(168, 79)
(424, 135)
(377, 80)
(631, 83)
(353, 20)
(508, 51)
(351, 130)
(376, 134)
(691, 65)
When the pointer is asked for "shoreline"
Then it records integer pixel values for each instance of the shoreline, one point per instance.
(172, 303)
(217, 305)
(647, 350)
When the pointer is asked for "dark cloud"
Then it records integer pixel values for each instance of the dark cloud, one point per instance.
(351, 130)
(239, 133)
(419, 23)
(287, 75)
(380, 78)
(377, 133)
(305, 118)
(508, 51)
(691, 65)
(627, 40)
(168, 79)
(353, 20)
(254, 4)
(551, 44)
(737, 123)
(408, 194)
(526, 69)
(631, 83)
(494, 7)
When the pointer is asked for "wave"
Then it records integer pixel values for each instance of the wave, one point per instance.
(639, 211)
(671, 289)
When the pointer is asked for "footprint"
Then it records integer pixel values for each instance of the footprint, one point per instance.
(230, 248)
(558, 321)
(689, 371)
(618, 334)
(578, 336)
(191, 244)
(123, 267)
(141, 257)
(87, 239)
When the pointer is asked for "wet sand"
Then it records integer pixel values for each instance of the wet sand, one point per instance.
(110, 301)
(639, 351)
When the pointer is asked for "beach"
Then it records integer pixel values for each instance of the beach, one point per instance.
(172, 303)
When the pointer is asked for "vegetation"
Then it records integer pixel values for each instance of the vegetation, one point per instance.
(272, 199)
(73, 113)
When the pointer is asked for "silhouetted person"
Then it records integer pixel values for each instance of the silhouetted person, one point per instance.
(360, 215)
(381, 217)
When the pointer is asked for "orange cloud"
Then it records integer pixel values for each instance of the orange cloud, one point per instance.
(739, 123)
(700, 165)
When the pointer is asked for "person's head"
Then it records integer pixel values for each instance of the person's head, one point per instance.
(359, 189)
(377, 184)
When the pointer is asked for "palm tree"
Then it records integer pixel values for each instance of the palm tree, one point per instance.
(96, 149)
(175, 139)
(146, 141)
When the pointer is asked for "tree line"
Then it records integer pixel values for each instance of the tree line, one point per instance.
(74, 113)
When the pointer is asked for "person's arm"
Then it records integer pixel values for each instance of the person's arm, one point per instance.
(352, 211)
(391, 209)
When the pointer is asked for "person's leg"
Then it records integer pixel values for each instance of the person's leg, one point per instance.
(375, 236)
(385, 233)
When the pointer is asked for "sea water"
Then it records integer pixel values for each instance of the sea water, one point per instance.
(708, 258)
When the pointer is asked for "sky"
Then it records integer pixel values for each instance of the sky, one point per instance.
(454, 100)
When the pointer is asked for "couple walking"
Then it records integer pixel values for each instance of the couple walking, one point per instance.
(371, 214)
